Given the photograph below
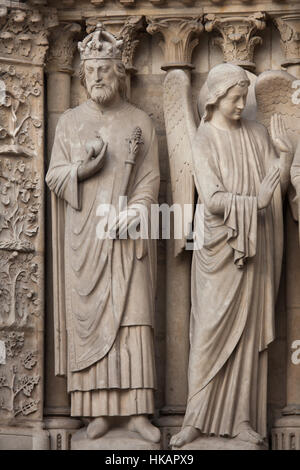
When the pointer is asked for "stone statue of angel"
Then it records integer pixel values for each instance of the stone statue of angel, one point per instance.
(240, 174)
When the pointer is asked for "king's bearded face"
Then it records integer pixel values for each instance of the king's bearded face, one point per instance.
(102, 84)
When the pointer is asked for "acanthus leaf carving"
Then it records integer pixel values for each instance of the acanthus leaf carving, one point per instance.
(24, 33)
(129, 33)
(62, 47)
(236, 36)
(180, 37)
(289, 28)
(19, 301)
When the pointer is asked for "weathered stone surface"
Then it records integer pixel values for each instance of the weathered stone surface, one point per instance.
(116, 439)
(108, 355)
(27, 42)
(220, 443)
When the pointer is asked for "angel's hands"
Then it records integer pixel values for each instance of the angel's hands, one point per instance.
(267, 187)
(279, 135)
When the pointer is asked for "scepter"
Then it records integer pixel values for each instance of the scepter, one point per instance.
(134, 144)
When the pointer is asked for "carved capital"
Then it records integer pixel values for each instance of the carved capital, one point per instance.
(24, 33)
(180, 36)
(289, 28)
(237, 36)
(126, 28)
(62, 47)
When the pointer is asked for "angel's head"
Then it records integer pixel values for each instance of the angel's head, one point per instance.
(228, 87)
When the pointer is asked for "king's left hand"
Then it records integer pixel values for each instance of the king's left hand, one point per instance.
(280, 135)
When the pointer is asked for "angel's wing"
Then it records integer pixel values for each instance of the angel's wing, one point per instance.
(180, 129)
(276, 93)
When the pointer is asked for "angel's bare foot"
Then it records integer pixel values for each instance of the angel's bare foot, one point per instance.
(98, 427)
(185, 436)
(142, 425)
(246, 433)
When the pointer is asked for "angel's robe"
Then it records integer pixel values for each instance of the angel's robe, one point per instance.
(235, 277)
(103, 288)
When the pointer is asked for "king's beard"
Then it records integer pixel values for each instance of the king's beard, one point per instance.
(105, 93)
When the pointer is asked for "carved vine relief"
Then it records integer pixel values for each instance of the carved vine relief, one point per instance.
(23, 41)
(17, 383)
(20, 128)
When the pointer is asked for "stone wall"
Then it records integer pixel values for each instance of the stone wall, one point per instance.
(24, 268)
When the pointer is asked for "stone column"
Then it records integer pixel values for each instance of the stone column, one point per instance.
(126, 28)
(63, 43)
(23, 45)
(236, 36)
(286, 430)
(179, 35)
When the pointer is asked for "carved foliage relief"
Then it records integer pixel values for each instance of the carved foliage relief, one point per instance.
(23, 43)
(24, 34)
(18, 376)
(20, 110)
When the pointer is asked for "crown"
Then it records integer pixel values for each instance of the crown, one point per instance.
(100, 44)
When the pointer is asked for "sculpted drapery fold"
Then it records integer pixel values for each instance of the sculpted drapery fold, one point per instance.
(84, 251)
(235, 266)
(104, 276)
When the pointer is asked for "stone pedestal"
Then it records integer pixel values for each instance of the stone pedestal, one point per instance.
(60, 431)
(23, 438)
(116, 439)
(286, 433)
(220, 443)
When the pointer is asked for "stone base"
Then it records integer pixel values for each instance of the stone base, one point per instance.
(115, 439)
(23, 438)
(286, 433)
(220, 443)
(61, 430)
(168, 425)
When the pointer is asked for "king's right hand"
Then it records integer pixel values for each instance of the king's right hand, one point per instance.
(92, 165)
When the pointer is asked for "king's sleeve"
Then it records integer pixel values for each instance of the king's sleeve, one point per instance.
(62, 173)
(238, 212)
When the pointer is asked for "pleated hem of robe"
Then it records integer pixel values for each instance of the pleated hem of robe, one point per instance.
(120, 384)
(112, 402)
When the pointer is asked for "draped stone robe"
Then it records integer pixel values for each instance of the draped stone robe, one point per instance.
(235, 277)
(103, 288)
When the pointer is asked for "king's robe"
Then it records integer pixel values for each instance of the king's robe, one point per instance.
(103, 288)
(235, 278)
